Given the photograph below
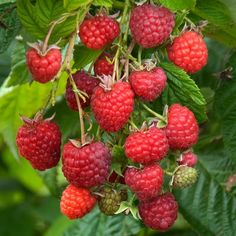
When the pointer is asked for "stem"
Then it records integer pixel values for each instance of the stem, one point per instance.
(160, 117)
(45, 43)
(133, 125)
(118, 4)
(140, 55)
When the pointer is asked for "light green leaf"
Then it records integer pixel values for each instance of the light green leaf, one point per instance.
(84, 56)
(104, 3)
(10, 25)
(71, 5)
(181, 88)
(37, 18)
(178, 4)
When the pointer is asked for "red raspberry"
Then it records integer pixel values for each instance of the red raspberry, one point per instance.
(85, 83)
(188, 158)
(39, 142)
(147, 146)
(43, 68)
(86, 166)
(147, 182)
(148, 84)
(189, 52)
(76, 202)
(151, 25)
(102, 66)
(99, 31)
(182, 128)
(113, 107)
(159, 213)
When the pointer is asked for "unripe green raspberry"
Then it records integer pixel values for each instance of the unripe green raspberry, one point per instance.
(110, 201)
(184, 177)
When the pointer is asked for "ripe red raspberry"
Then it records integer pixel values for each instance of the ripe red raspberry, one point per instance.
(85, 83)
(43, 68)
(86, 166)
(148, 84)
(189, 52)
(112, 106)
(99, 31)
(151, 25)
(76, 202)
(188, 158)
(39, 142)
(147, 146)
(159, 213)
(147, 182)
(182, 128)
(102, 66)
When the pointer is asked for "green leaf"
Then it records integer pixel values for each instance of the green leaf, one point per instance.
(178, 4)
(84, 56)
(104, 3)
(98, 224)
(19, 72)
(71, 5)
(220, 15)
(226, 110)
(21, 100)
(9, 25)
(36, 19)
(181, 88)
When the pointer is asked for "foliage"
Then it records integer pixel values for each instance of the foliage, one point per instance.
(29, 201)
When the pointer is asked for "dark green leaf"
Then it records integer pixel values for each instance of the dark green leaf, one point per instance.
(9, 25)
(182, 89)
(226, 110)
(37, 19)
(178, 4)
(71, 5)
(84, 56)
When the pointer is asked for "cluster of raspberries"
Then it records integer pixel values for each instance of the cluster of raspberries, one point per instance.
(87, 167)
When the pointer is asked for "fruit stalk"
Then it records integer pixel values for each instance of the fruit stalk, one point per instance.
(154, 113)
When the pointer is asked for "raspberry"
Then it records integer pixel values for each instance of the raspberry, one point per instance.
(184, 177)
(151, 25)
(159, 213)
(43, 68)
(188, 158)
(39, 142)
(112, 108)
(147, 146)
(102, 65)
(76, 202)
(84, 82)
(148, 84)
(86, 166)
(111, 199)
(147, 182)
(98, 31)
(189, 52)
(182, 128)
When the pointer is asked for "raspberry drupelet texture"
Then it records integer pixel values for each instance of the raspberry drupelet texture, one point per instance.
(182, 128)
(98, 31)
(148, 84)
(85, 83)
(103, 65)
(39, 142)
(151, 25)
(146, 183)
(189, 52)
(76, 202)
(112, 108)
(188, 158)
(159, 213)
(147, 146)
(86, 166)
(43, 68)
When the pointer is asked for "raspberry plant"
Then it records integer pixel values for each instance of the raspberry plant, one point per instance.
(125, 109)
